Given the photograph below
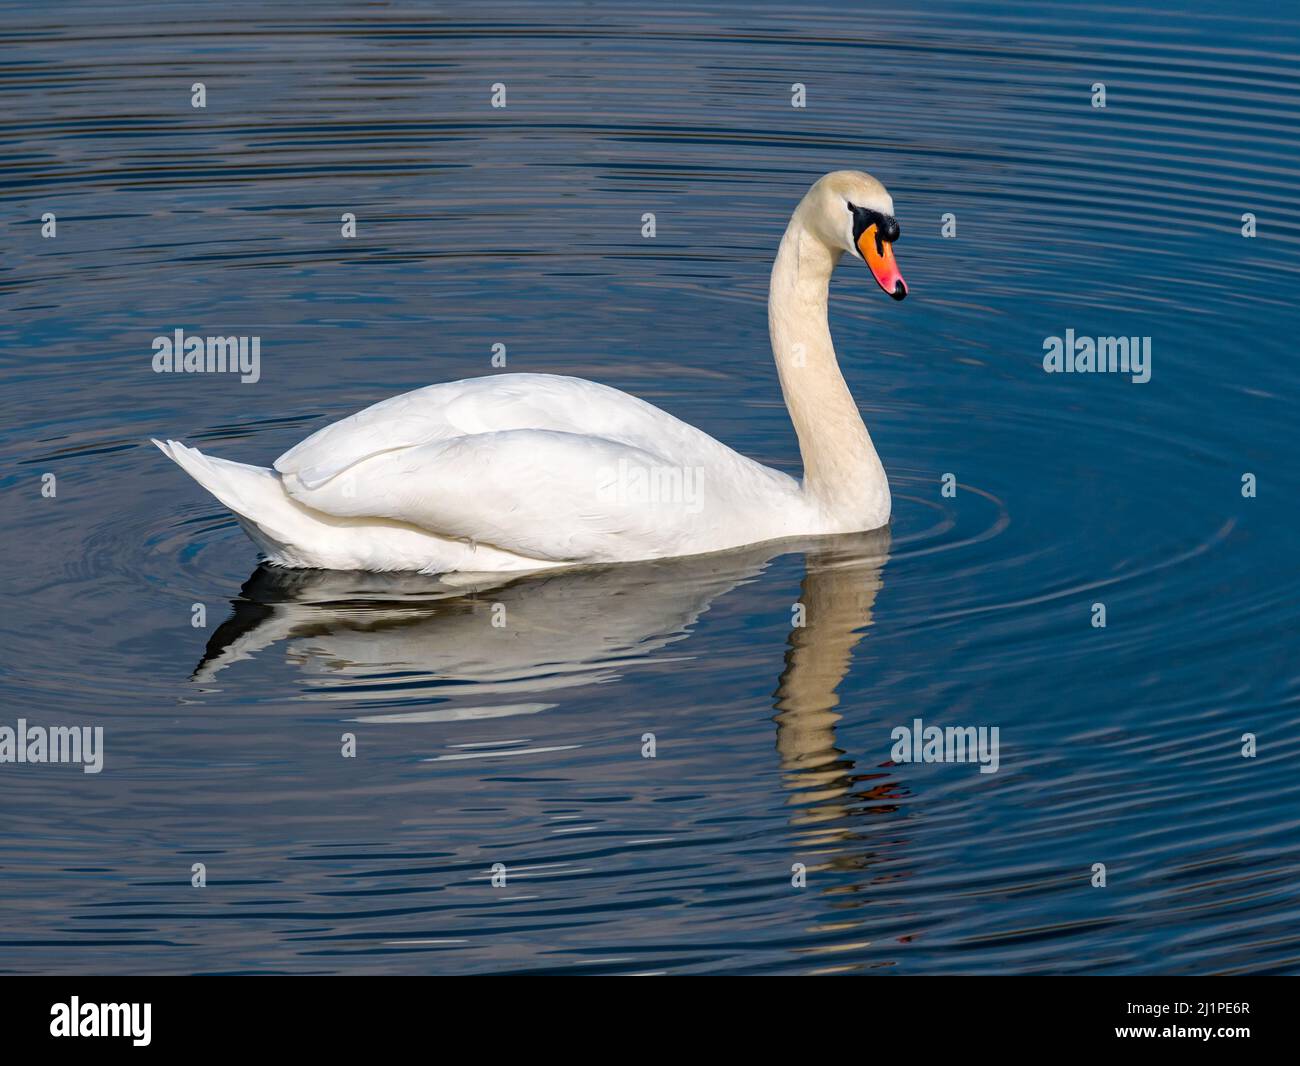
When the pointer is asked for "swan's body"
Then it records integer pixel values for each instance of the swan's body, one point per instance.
(526, 471)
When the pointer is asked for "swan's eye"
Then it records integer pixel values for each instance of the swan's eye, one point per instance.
(887, 229)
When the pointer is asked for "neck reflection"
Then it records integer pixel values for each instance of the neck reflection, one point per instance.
(838, 594)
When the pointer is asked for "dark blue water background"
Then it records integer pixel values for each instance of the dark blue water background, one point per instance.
(522, 226)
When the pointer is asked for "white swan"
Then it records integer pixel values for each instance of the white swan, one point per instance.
(527, 471)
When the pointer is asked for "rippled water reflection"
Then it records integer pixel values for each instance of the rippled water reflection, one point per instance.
(522, 745)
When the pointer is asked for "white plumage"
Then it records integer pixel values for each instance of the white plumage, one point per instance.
(526, 471)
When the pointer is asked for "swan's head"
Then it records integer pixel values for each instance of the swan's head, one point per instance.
(850, 211)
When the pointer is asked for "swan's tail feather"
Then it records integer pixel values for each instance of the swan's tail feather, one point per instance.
(253, 493)
(292, 534)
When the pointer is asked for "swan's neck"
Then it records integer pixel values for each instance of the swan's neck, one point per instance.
(843, 474)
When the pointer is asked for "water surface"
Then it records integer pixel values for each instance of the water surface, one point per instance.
(523, 745)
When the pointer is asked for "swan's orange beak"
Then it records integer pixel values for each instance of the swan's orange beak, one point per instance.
(879, 255)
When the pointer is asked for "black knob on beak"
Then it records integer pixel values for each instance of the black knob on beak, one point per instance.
(886, 225)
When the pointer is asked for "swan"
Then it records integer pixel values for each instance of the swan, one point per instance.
(522, 472)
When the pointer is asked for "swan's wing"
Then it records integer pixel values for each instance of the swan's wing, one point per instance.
(445, 412)
(412, 418)
(538, 493)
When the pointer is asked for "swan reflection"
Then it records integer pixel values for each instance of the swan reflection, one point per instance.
(497, 645)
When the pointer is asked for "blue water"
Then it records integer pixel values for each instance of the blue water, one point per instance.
(521, 226)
